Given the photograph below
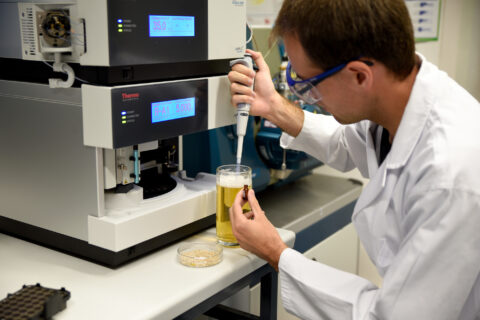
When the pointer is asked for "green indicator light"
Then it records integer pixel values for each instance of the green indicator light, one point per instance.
(120, 25)
(120, 30)
(124, 121)
(124, 117)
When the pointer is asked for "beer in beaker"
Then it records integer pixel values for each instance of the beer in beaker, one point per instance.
(230, 179)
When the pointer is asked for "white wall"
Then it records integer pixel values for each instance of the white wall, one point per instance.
(458, 49)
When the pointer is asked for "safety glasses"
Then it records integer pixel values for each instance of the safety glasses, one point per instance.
(306, 89)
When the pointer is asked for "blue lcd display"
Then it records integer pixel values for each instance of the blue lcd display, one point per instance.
(171, 26)
(173, 109)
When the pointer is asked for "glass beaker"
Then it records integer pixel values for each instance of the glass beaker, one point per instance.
(230, 179)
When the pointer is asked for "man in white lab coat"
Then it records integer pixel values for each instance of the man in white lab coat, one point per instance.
(406, 126)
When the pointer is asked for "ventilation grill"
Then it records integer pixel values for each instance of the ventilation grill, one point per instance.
(28, 32)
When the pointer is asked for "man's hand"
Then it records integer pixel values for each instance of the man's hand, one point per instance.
(241, 78)
(253, 230)
(264, 100)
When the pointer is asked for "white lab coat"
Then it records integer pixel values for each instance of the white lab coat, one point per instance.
(418, 217)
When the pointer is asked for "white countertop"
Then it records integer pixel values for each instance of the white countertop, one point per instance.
(153, 287)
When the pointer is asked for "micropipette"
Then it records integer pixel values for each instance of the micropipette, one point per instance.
(243, 109)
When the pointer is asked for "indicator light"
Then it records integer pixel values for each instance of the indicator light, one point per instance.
(124, 113)
(120, 30)
(124, 121)
(120, 25)
(124, 117)
(120, 20)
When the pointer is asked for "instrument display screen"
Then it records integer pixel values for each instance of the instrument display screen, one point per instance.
(171, 26)
(158, 110)
(159, 32)
(173, 109)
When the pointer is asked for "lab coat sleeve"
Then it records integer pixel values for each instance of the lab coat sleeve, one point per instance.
(313, 290)
(431, 276)
(340, 146)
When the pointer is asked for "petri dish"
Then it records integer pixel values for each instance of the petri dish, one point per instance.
(199, 255)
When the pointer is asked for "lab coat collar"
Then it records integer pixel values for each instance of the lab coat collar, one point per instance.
(407, 137)
(413, 119)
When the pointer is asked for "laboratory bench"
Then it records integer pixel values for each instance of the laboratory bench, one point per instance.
(313, 207)
(157, 286)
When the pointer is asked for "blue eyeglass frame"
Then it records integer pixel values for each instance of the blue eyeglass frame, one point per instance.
(322, 76)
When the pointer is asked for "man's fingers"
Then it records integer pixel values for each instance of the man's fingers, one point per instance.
(241, 89)
(259, 61)
(236, 211)
(240, 199)
(252, 200)
(241, 73)
(248, 215)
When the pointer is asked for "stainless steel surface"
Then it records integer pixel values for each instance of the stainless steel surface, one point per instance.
(48, 177)
(301, 203)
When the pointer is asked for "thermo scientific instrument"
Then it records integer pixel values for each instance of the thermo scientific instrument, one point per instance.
(95, 96)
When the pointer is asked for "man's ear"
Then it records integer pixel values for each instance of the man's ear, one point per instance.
(361, 73)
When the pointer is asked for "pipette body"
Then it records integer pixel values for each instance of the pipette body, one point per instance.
(243, 109)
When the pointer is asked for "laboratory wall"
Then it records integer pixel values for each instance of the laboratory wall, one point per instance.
(457, 50)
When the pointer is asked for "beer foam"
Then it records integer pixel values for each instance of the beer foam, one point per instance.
(232, 181)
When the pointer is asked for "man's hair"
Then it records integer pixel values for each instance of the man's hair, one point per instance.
(335, 31)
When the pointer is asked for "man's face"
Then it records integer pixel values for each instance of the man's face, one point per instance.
(337, 98)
